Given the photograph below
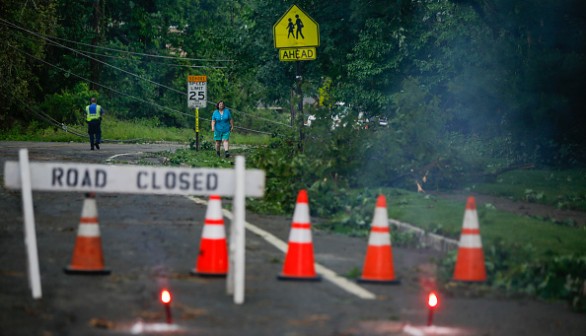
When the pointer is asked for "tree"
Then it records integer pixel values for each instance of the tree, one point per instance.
(19, 85)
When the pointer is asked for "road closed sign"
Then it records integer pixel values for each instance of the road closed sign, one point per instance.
(57, 176)
(53, 176)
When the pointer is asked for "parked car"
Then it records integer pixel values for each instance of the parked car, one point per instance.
(382, 121)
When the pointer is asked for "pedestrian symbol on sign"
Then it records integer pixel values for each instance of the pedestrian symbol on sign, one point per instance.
(299, 25)
(290, 27)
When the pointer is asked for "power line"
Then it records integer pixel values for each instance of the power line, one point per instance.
(137, 53)
(167, 64)
(123, 94)
(100, 85)
(90, 57)
(124, 71)
(261, 118)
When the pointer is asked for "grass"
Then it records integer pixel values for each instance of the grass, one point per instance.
(564, 189)
(118, 130)
(445, 217)
(142, 130)
(203, 158)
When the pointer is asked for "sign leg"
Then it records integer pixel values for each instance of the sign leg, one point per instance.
(30, 235)
(231, 259)
(239, 220)
(197, 128)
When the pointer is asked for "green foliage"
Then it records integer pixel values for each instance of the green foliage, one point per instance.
(344, 210)
(264, 120)
(69, 107)
(141, 130)
(286, 174)
(202, 158)
(19, 84)
(354, 273)
(519, 269)
(205, 145)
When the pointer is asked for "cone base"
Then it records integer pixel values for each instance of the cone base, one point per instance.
(208, 275)
(470, 265)
(380, 282)
(73, 271)
(298, 278)
(468, 281)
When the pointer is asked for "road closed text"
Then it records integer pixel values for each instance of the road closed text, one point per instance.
(74, 177)
(144, 180)
(172, 180)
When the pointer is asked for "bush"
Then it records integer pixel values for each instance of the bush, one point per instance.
(68, 107)
(516, 269)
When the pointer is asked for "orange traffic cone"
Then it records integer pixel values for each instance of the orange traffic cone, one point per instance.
(212, 259)
(378, 263)
(299, 263)
(470, 261)
(87, 253)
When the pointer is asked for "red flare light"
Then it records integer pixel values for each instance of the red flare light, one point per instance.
(432, 303)
(432, 300)
(165, 296)
(166, 299)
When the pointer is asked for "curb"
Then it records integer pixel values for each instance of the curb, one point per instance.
(427, 239)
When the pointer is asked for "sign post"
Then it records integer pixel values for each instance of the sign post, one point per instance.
(240, 230)
(30, 234)
(197, 128)
(197, 94)
(296, 35)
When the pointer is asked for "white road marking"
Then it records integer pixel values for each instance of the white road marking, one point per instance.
(117, 155)
(327, 274)
(413, 331)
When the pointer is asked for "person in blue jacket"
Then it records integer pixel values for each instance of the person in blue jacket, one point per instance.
(222, 125)
(94, 114)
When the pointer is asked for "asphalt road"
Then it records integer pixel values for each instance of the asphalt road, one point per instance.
(151, 242)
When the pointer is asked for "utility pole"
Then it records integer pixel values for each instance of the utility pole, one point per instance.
(299, 79)
(292, 107)
(97, 25)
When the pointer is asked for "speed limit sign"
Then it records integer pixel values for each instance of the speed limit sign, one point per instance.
(197, 91)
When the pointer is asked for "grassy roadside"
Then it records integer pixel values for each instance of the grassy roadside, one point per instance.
(116, 130)
(112, 130)
(563, 189)
(445, 217)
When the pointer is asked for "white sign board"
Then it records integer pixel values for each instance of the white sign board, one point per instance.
(197, 91)
(56, 176)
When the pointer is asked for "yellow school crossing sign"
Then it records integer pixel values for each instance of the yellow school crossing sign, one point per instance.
(297, 34)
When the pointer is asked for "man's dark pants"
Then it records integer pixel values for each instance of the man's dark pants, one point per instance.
(94, 129)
